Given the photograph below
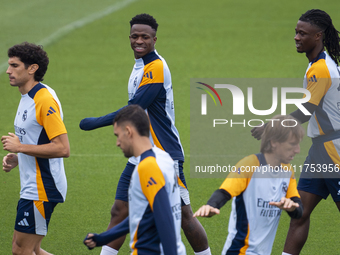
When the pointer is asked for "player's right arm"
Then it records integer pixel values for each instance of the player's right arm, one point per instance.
(9, 162)
(146, 94)
(233, 185)
(95, 240)
(59, 147)
(216, 201)
(144, 97)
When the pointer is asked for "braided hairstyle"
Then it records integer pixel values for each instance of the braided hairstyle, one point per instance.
(331, 38)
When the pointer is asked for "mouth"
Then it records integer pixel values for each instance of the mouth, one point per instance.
(139, 49)
(297, 45)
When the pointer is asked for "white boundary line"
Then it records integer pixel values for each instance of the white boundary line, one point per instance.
(77, 24)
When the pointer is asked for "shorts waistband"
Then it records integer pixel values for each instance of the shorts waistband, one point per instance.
(327, 137)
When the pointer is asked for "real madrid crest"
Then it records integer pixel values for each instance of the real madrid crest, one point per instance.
(24, 116)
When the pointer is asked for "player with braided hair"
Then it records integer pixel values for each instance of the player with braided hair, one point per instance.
(331, 38)
(314, 32)
(320, 174)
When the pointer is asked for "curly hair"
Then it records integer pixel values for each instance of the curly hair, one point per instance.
(30, 54)
(145, 19)
(323, 21)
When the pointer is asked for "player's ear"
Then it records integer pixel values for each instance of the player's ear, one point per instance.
(319, 36)
(33, 68)
(128, 131)
(273, 144)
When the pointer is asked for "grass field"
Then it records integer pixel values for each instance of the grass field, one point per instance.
(90, 62)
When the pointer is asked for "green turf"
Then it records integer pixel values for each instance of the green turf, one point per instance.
(89, 69)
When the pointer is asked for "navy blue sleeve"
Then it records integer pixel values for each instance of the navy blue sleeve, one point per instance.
(145, 96)
(300, 116)
(93, 122)
(108, 236)
(219, 198)
(297, 213)
(165, 222)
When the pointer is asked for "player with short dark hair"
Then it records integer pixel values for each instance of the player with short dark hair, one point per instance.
(150, 86)
(154, 220)
(38, 146)
(145, 19)
(261, 186)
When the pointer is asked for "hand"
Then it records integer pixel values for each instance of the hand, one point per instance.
(89, 241)
(285, 204)
(206, 211)
(11, 143)
(257, 132)
(9, 162)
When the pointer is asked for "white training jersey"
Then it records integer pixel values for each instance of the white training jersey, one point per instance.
(253, 222)
(322, 79)
(39, 119)
(154, 182)
(150, 87)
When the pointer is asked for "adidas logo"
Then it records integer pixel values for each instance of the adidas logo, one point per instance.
(23, 223)
(50, 111)
(312, 79)
(148, 75)
(151, 182)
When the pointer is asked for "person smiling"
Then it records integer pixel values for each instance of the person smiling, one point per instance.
(150, 86)
(314, 34)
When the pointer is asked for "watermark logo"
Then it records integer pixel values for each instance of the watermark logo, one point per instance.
(204, 97)
(239, 99)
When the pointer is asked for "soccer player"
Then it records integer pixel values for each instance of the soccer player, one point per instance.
(154, 220)
(315, 32)
(150, 87)
(261, 187)
(38, 146)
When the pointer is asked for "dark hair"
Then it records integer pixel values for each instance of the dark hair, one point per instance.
(331, 38)
(135, 115)
(276, 132)
(145, 19)
(30, 54)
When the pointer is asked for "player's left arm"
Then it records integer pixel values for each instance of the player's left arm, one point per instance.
(164, 222)
(291, 202)
(293, 206)
(158, 199)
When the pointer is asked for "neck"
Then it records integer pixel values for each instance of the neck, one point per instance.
(141, 145)
(24, 89)
(271, 159)
(315, 52)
